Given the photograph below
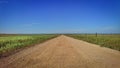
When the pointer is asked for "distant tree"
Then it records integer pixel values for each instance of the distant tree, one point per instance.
(96, 34)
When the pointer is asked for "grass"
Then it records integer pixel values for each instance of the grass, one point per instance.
(111, 41)
(9, 43)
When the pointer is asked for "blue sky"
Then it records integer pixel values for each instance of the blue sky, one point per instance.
(59, 16)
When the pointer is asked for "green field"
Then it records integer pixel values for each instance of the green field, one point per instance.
(10, 43)
(105, 40)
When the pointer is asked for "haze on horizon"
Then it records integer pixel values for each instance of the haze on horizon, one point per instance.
(59, 16)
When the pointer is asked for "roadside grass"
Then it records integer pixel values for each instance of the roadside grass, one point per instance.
(105, 40)
(12, 43)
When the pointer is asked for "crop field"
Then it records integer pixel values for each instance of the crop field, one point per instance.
(10, 43)
(111, 41)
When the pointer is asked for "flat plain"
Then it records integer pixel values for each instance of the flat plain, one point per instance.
(63, 52)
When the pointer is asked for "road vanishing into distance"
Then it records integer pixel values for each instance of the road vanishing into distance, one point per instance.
(63, 52)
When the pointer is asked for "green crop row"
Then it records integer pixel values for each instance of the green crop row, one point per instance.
(11, 43)
(110, 41)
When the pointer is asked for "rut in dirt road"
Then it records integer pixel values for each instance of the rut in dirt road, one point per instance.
(63, 52)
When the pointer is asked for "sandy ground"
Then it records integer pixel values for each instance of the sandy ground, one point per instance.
(63, 52)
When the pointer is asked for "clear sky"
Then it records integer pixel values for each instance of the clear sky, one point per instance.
(59, 16)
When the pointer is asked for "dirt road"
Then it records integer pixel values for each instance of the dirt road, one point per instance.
(63, 52)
